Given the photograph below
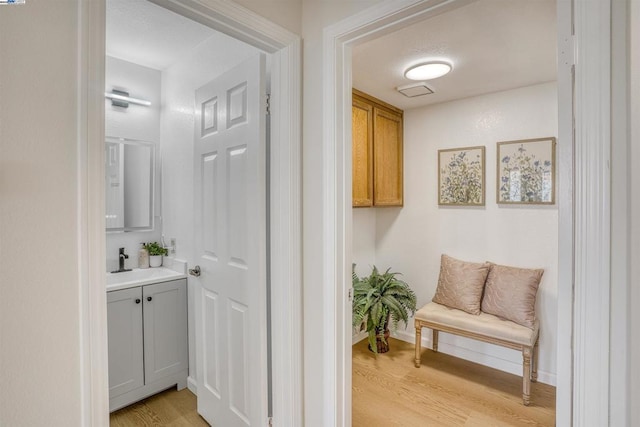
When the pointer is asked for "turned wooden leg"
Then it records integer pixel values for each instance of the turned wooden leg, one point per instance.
(418, 344)
(434, 341)
(526, 375)
(534, 363)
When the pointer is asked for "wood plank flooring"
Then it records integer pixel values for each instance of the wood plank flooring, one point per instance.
(389, 391)
(445, 391)
(169, 408)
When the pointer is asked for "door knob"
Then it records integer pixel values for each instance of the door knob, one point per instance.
(195, 271)
(137, 300)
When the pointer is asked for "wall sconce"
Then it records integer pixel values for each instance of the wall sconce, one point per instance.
(120, 98)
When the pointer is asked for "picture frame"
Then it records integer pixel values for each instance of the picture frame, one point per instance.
(461, 176)
(526, 171)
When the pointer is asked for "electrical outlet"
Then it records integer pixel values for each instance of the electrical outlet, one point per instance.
(173, 246)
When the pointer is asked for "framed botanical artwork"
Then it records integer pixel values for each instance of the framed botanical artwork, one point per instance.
(461, 176)
(526, 171)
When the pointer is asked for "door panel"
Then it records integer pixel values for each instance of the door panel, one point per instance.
(165, 329)
(124, 317)
(230, 223)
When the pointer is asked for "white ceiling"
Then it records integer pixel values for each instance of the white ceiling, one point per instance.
(494, 45)
(141, 32)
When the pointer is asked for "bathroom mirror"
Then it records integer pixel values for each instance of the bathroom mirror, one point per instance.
(129, 184)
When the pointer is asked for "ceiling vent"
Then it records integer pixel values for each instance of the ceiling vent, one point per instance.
(415, 89)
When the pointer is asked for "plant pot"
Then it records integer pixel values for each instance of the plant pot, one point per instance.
(382, 346)
(155, 260)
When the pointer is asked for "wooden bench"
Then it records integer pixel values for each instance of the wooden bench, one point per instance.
(483, 327)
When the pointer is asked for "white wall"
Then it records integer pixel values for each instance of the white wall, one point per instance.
(40, 360)
(286, 13)
(411, 239)
(179, 82)
(136, 122)
(364, 240)
(634, 216)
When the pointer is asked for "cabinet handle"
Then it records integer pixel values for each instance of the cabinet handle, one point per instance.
(149, 298)
(137, 300)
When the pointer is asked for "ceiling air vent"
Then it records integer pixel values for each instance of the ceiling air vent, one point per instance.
(414, 89)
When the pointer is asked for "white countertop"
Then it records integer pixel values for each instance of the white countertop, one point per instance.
(145, 276)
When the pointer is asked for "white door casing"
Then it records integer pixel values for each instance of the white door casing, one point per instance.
(230, 223)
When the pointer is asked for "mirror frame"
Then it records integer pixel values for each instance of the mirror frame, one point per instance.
(152, 183)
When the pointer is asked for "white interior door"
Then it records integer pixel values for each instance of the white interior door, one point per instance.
(230, 223)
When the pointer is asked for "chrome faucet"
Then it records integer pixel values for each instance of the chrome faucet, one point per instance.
(121, 257)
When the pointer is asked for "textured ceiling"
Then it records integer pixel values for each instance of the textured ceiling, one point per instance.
(141, 32)
(494, 45)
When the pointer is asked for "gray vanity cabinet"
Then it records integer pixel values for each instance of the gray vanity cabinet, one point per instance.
(147, 341)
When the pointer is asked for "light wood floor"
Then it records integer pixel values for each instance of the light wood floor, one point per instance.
(389, 391)
(169, 408)
(445, 391)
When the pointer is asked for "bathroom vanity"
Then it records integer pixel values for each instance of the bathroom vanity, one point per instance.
(147, 321)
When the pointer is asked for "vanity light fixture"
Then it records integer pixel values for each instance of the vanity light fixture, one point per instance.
(120, 98)
(428, 70)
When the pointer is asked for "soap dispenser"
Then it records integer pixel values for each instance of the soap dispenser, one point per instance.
(143, 257)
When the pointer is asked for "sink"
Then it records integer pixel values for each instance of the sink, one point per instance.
(140, 276)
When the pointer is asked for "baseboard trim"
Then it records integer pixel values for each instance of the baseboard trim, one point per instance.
(474, 356)
(355, 339)
(192, 385)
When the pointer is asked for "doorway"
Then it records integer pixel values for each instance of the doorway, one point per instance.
(481, 102)
(236, 22)
(337, 42)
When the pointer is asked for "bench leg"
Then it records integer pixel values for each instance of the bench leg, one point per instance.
(418, 344)
(526, 375)
(434, 341)
(534, 363)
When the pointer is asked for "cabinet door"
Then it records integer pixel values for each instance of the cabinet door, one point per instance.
(387, 163)
(165, 329)
(124, 320)
(362, 153)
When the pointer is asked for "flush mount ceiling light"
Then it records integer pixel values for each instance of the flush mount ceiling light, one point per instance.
(120, 98)
(428, 70)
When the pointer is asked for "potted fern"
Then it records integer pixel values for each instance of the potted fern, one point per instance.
(380, 302)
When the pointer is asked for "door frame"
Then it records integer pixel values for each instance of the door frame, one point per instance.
(583, 309)
(285, 198)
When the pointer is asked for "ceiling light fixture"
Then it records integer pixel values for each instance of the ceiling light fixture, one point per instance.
(428, 70)
(120, 98)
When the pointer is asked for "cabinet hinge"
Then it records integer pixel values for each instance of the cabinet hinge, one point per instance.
(268, 100)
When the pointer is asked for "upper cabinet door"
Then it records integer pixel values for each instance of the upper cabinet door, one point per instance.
(362, 153)
(387, 164)
(377, 152)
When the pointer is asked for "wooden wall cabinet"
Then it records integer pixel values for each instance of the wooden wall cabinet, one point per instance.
(377, 152)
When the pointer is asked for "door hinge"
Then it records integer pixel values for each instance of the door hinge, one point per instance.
(567, 51)
(268, 98)
(350, 294)
(270, 421)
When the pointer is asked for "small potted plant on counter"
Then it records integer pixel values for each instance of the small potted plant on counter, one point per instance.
(155, 253)
(380, 301)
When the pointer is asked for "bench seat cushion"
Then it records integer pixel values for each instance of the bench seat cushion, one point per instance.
(482, 324)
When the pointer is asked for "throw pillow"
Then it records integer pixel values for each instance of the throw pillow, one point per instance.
(510, 293)
(460, 284)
